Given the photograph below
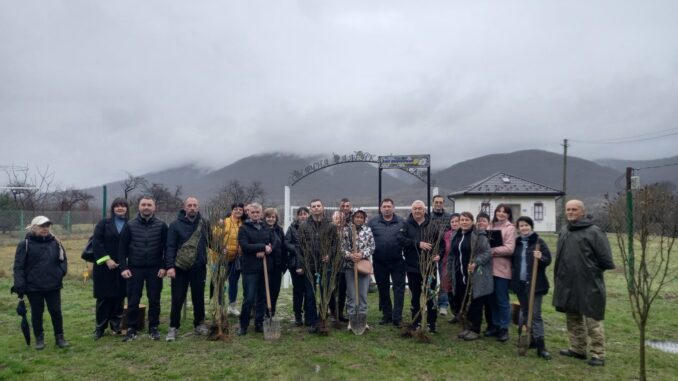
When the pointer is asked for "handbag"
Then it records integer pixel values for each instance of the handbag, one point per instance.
(365, 267)
(88, 252)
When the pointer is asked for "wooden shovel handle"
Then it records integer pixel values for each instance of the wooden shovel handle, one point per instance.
(268, 293)
(533, 286)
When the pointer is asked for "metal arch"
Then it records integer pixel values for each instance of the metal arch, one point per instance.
(292, 180)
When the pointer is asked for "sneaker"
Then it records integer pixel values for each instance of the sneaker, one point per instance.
(470, 336)
(570, 353)
(233, 310)
(596, 362)
(61, 342)
(384, 320)
(201, 329)
(454, 320)
(443, 311)
(40, 342)
(432, 328)
(171, 334)
(463, 333)
(491, 331)
(397, 323)
(241, 332)
(298, 322)
(502, 335)
(153, 332)
(313, 328)
(98, 334)
(348, 327)
(130, 335)
(367, 327)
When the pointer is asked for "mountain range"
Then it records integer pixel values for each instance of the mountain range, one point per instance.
(359, 181)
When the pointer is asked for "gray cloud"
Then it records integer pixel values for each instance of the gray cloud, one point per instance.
(93, 88)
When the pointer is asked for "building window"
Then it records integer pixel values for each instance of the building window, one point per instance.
(485, 208)
(452, 205)
(538, 211)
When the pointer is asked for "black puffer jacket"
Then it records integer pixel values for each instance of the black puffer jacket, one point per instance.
(181, 231)
(294, 258)
(37, 266)
(253, 238)
(542, 284)
(107, 283)
(411, 234)
(583, 255)
(142, 243)
(387, 246)
(279, 253)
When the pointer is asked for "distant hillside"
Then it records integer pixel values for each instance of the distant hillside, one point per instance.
(584, 179)
(652, 171)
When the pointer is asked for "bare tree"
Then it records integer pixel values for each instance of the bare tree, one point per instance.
(131, 183)
(31, 191)
(165, 199)
(72, 199)
(233, 192)
(647, 272)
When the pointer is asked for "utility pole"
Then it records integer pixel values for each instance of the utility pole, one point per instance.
(629, 227)
(563, 218)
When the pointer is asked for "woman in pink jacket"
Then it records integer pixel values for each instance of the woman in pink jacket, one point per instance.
(501, 270)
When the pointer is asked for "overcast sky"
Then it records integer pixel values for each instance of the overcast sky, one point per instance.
(96, 88)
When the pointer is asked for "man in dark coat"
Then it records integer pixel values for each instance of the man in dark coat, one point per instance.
(255, 241)
(142, 253)
(189, 222)
(579, 288)
(438, 214)
(389, 264)
(109, 286)
(419, 238)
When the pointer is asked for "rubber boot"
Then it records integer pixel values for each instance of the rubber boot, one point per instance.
(40, 342)
(541, 349)
(61, 342)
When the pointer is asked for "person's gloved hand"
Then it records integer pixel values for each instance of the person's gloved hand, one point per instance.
(19, 291)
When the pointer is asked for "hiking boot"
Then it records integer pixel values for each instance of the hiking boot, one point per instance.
(61, 342)
(259, 328)
(130, 335)
(98, 334)
(171, 334)
(40, 342)
(594, 361)
(570, 353)
(153, 332)
(502, 335)
(201, 329)
(470, 336)
(491, 331)
(233, 310)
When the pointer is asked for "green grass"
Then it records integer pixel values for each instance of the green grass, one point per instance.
(379, 354)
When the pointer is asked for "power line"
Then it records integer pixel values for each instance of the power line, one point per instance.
(656, 166)
(633, 138)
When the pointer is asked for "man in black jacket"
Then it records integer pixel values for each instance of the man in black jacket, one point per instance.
(142, 252)
(420, 238)
(255, 241)
(388, 261)
(189, 225)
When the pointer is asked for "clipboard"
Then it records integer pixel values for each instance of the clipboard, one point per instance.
(495, 238)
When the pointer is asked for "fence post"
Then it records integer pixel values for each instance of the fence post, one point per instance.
(21, 221)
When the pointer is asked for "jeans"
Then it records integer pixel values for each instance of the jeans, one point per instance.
(363, 288)
(233, 276)
(501, 308)
(195, 278)
(254, 295)
(309, 302)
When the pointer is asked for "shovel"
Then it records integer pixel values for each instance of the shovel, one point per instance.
(271, 325)
(357, 320)
(526, 330)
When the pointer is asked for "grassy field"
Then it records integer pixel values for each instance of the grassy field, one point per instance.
(379, 354)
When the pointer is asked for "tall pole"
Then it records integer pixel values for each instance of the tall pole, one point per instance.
(629, 227)
(563, 218)
(379, 196)
(103, 205)
(428, 189)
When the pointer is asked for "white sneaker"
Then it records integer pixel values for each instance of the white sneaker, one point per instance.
(443, 311)
(171, 334)
(349, 326)
(202, 329)
(233, 310)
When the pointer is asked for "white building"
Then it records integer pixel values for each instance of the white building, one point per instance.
(525, 197)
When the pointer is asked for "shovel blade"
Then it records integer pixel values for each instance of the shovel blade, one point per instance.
(271, 329)
(358, 323)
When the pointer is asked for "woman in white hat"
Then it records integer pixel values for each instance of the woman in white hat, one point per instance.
(39, 267)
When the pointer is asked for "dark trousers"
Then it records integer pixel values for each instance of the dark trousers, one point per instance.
(195, 278)
(384, 274)
(254, 295)
(274, 284)
(109, 311)
(298, 293)
(338, 298)
(309, 301)
(135, 289)
(488, 306)
(457, 297)
(37, 300)
(415, 281)
(475, 313)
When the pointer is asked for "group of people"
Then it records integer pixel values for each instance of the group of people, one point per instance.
(477, 260)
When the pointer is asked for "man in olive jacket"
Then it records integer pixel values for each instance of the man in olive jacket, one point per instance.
(579, 288)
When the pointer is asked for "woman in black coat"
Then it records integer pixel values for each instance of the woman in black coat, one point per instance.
(39, 267)
(279, 254)
(109, 286)
(523, 258)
